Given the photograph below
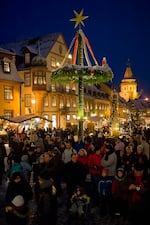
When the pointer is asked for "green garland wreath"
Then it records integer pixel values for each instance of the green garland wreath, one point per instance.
(90, 74)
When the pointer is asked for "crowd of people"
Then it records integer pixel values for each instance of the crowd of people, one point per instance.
(112, 173)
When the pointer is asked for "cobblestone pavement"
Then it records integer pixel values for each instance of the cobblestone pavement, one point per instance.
(92, 217)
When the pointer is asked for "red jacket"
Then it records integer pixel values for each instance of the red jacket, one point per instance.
(94, 163)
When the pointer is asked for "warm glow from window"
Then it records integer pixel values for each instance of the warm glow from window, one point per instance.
(33, 101)
(69, 56)
(57, 64)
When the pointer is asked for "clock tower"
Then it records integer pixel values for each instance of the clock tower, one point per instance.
(128, 86)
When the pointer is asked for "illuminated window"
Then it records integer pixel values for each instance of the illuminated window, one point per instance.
(53, 121)
(8, 113)
(53, 62)
(67, 117)
(73, 87)
(61, 102)
(74, 104)
(27, 58)
(74, 116)
(8, 93)
(53, 87)
(6, 67)
(45, 101)
(39, 78)
(27, 100)
(54, 101)
(67, 87)
(68, 102)
(27, 79)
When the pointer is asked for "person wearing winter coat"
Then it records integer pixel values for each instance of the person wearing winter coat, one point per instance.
(46, 199)
(27, 168)
(120, 193)
(3, 155)
(74, 174)
(95, 169)
(109, 160)
(80, 202)
(66, 155)
(139, 196)
(105, 193)
(18, 194)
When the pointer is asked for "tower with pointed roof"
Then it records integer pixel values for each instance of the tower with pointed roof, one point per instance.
(128, 85)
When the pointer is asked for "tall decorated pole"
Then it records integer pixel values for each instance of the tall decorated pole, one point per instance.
(78, 22)
(80, 89)
(79, 73)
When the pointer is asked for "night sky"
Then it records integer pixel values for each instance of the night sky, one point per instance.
(116, 29)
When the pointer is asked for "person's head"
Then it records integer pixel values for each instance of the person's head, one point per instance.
(138, 169)
(68, 145)
(38, 149)
(139, 149)
(62, 145)
(80, 190)
(129, 149)
(24, 158)
(16, 177)
(118, 140)
(42, 159)
(74, 157)
(120, 172)
(82, 152)
(47, 157)
(109, 147)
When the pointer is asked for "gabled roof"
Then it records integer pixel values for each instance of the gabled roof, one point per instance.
(13, 74)
(45, 43)
(2, 50)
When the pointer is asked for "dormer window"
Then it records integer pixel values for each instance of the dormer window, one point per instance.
(6, 67)
(27, 58)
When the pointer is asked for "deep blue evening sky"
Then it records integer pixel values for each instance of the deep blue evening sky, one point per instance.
(117, 29)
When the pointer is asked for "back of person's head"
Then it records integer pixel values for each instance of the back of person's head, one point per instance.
(16, 175)
(109, 146)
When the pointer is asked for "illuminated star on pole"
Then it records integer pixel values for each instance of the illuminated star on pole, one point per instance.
(79, 18)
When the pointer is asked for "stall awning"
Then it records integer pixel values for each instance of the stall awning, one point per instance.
(20, 119)
(94, 118)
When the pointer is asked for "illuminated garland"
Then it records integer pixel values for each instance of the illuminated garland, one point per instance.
(90, 74)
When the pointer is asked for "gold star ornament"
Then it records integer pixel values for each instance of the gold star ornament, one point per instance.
(78, 18)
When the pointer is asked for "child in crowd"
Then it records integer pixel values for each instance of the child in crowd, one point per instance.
(105, 193)
(120, 193)
(79, 202)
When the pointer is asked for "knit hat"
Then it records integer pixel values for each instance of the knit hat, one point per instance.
(120, 169)
(18, 201)
(139, 166)
(24, 158)
(109, 146)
